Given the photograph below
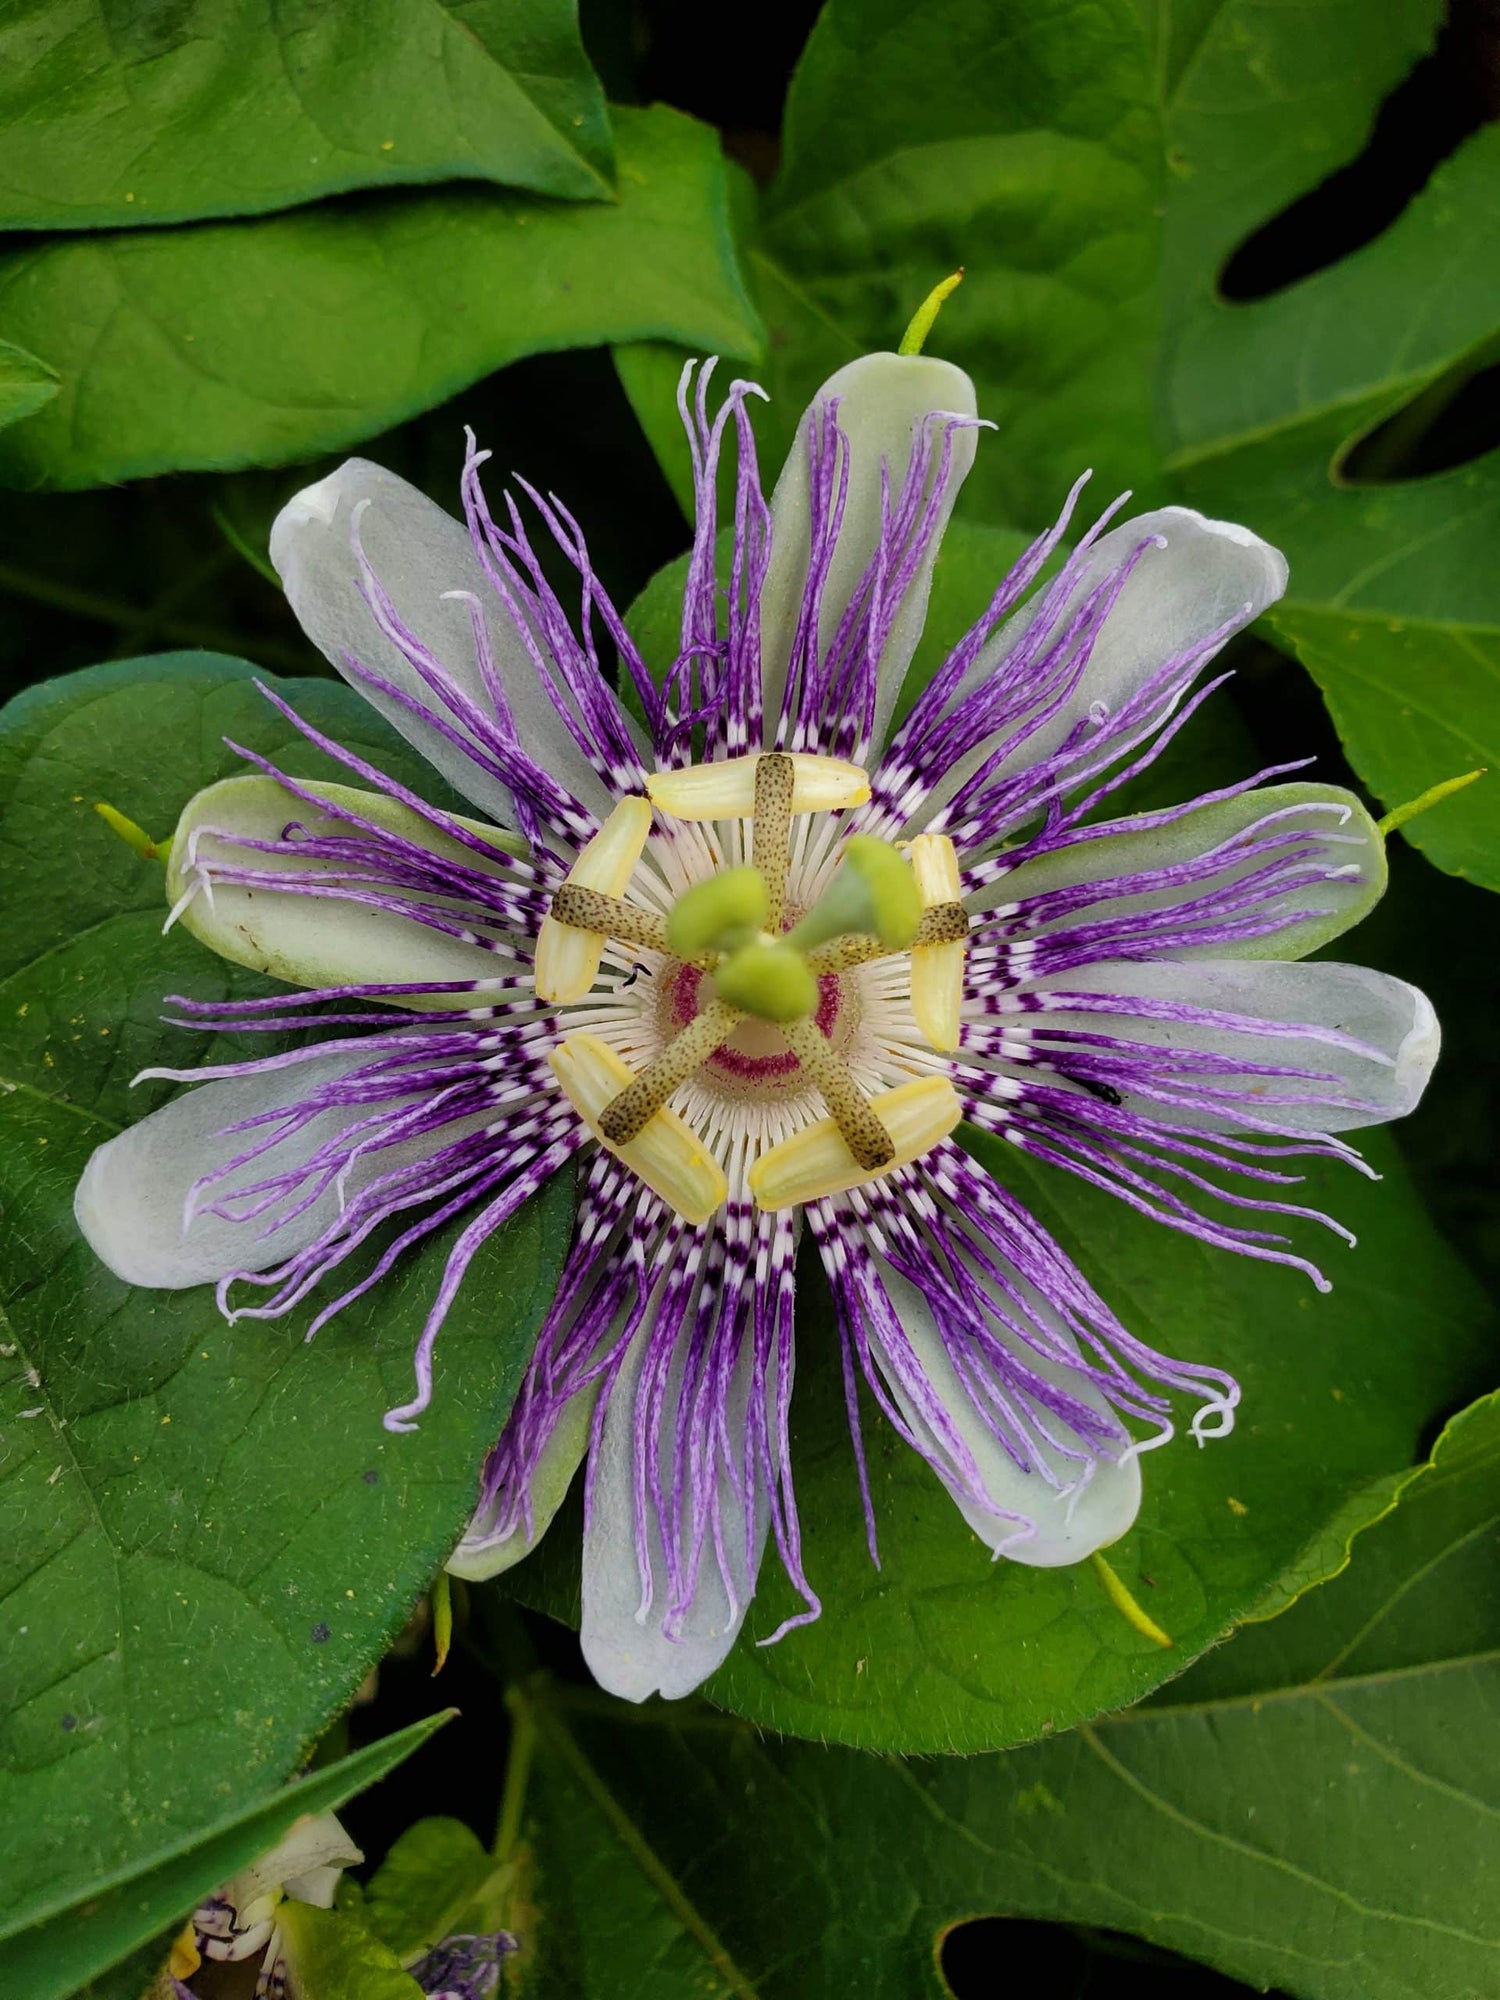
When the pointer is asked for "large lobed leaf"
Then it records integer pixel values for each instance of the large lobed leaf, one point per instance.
(263, 342)
(208, 1537)
(1394, 603)
(230, 107)
(1095, 167)
(1020, 141)
(1315, 1806)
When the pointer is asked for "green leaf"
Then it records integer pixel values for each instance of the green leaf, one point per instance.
(25, 383)
(1314, 1806)
(1020, 141)
(82, 1935)
(332, 1956)
(259, 343)
(438, 1880)
(1394, 604)
(233, 107)
(209, 1537)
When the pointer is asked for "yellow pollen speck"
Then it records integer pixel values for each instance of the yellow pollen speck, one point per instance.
(1237, 1506)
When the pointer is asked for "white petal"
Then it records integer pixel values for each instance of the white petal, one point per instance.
(884, 400)
(628, 1655)
(1209, 573)
(1394, 1020)
(310, 1856)
(418, 552)
(1055, 1527)
(1351, 852)
(312, 940)
(130, 1200)
(483, 1552)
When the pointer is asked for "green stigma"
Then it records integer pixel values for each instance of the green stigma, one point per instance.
(769, 979)
(721, 914)
(914, 338)
(874, 894)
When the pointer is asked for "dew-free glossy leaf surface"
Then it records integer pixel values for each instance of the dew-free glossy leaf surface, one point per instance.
(116, 117)
(104, 1920)
(262, 342)
(1314, 1806)
(208, 1537)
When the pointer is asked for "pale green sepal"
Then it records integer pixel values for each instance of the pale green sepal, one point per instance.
(481, 1555)
(330, 1955)
(317, 941)
(1346, 898)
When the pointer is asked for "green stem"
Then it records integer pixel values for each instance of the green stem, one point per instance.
(517, 1777)
(1126, 1605)
(913, 339)
(134, 836)
(1399, 815)
(442, 1618)
(110, 611)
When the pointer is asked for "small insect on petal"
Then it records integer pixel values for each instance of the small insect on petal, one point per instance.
(727, 790)
(666, 1152)
(816, 1161)
(567, 958)
(937, 970)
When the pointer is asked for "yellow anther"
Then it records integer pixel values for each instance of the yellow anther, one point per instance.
(667, 1154)
(816, 1161)
(937, 970)
(567, 958)
(185, 1959)
(727, 790)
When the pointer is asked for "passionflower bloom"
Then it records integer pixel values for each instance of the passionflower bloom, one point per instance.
(748, 948)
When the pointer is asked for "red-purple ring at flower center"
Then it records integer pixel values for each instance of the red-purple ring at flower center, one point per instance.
(730, 1061)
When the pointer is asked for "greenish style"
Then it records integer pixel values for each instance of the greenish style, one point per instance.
(263, 342)
(874, 893)
(61, 1944)
(211, 1538)
(117, 118)
(1292, 1811)
(716, 914)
